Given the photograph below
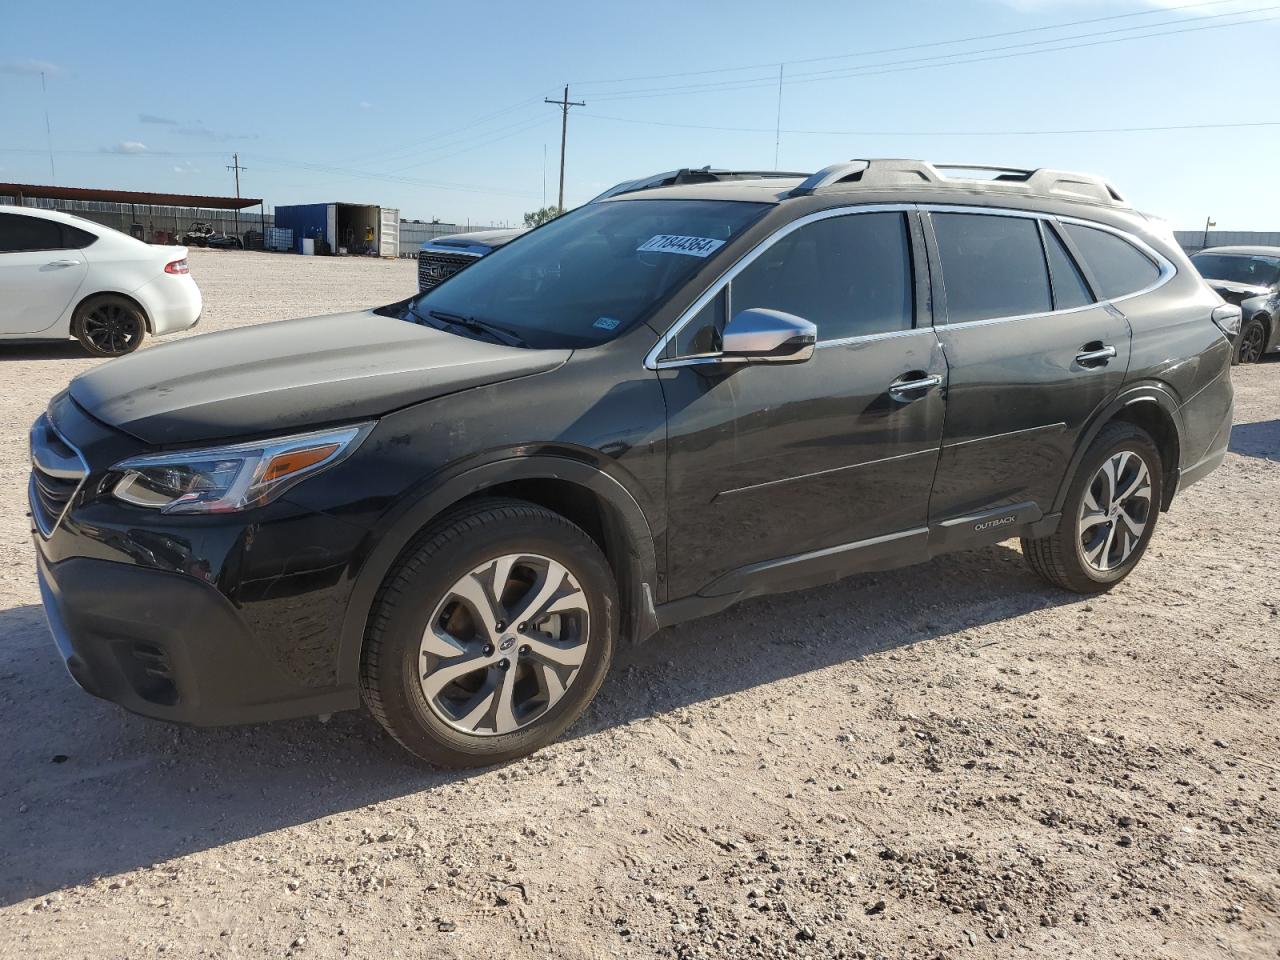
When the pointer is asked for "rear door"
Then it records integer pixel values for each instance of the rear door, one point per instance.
(779, 475)
(40, 271)
(1033, 353)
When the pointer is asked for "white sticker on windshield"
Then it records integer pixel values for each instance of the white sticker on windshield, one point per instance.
(690, 246)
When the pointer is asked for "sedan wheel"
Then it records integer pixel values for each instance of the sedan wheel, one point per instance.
(109, 326)
(1252, 341)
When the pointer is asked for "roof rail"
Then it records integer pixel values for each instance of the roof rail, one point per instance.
(1042, 182)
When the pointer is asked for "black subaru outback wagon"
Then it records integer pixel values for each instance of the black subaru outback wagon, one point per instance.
(457, 506)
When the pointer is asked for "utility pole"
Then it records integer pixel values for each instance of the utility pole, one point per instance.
(777, 129)
(235, 165)
(564, 106)
(1208, 222)
(48, 131)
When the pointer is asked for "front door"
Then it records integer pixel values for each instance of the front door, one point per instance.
(781, 475)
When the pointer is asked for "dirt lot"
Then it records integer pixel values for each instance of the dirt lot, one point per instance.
(946, 761)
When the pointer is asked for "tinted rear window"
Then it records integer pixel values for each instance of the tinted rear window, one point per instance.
(992, 266)
(1118, 267)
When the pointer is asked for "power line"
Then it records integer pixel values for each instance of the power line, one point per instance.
(914, 46)
(943, 133)
(974, 56)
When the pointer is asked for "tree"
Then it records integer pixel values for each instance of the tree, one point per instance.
(539, 217)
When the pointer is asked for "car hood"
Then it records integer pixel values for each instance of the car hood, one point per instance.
(487, 238)
(292, 375)
(1237, 292)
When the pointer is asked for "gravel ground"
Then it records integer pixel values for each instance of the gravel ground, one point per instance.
(952, 760)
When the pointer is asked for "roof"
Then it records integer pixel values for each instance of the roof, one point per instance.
(896, 176)
(772, 190)
(1243, 251)
(32, 191)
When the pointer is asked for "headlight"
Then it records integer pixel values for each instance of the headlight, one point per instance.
(221, 479)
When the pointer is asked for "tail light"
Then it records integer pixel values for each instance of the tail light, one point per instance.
(1228, 318)
(177, 266)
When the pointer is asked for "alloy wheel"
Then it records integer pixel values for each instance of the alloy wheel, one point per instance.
(1251, 343)
(504, 644)
(1115, 511)
(112, 328)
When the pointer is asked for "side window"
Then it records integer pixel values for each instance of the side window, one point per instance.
(19, 234)
(701, 335)
(1069, 288)
(78, 239)
(1118, 266)
(992, 266)
(850, 275)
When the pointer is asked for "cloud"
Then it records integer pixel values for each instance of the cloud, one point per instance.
(1034, 6)
(128, 147)
(204, 133)
(30, 68)
(366, 105)
(198, 130)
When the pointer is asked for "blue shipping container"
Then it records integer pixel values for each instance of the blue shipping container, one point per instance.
(306, 220)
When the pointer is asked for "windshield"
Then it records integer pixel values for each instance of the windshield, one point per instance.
(1259, 271)
(588, 276)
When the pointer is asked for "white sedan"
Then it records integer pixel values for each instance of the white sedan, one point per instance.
(64, 276)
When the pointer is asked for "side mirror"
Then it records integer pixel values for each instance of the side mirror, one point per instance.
(759, 335)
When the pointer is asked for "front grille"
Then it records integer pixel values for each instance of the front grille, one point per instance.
(57, 470)
(434, 267)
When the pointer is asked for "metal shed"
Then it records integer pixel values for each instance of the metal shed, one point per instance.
(350, 228)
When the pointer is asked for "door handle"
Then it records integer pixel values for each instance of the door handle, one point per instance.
(904, 390)
(63, 263)
(1096, 354)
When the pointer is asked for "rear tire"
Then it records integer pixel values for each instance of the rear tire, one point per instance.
(1109, 514)
(108, 325)
(463, 673)
(1253, 341)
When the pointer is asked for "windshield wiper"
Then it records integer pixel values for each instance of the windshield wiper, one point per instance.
(500, 334)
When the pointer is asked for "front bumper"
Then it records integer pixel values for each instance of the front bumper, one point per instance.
(167, 645)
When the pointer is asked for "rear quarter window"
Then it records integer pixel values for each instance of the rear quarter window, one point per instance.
(1118, 267)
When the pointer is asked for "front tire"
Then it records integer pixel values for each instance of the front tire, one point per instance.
(1109, 515)
(109, 325)
(491, 635)
(1253, 341)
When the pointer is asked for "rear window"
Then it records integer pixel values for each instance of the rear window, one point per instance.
(1118, 267)
(992, 266)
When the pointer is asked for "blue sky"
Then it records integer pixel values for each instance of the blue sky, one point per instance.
(437, 108)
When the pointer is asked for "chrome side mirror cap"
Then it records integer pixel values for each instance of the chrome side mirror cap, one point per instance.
(759, 335)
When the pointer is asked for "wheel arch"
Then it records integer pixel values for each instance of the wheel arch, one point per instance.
(1268, 328)
(1151, 407)
(591, 498)
(146, 315)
